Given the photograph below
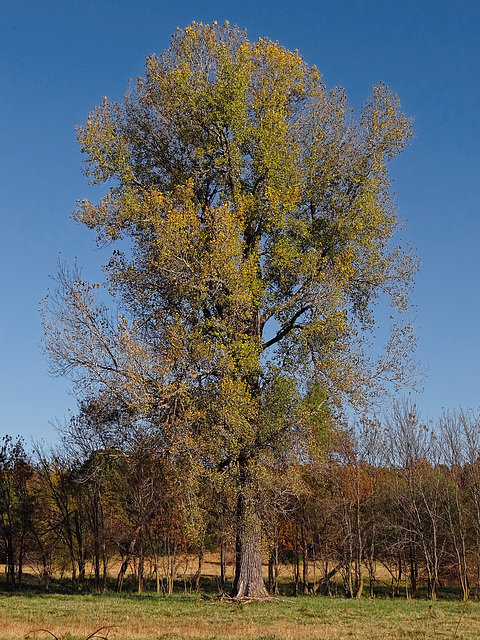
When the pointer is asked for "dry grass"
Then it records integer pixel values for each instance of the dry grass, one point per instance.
(210, 570)
(191, 618)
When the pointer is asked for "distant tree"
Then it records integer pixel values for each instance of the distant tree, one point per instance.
(260, 233)
(99, 438)
(16, 507)
(414, 450)
(65, 510)
(470, 428)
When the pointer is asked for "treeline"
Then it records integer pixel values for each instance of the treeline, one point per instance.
(394, 496)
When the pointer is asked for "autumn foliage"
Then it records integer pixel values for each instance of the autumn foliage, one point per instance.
(254, 231)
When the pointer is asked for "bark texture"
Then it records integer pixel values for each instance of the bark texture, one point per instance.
(248, 581)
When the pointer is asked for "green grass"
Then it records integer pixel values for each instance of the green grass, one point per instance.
(188, 617)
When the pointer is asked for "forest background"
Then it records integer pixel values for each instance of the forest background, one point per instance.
(392, 510)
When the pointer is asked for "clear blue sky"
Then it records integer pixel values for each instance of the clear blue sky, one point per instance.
(59, 57)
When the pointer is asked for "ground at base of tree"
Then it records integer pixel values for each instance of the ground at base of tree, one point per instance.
(186, 617)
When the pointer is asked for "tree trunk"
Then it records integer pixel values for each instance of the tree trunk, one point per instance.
(81, 560)
(157, 571)
(10, 561)
(104, 566)
(126, 560)
(121, 574)
(222, 566)
(248, 581)
(358, 580)
(413, 570)
(273, 566)
(140, 566)
(20, 561)
(198, 574)
(98, 533)
(305, 560)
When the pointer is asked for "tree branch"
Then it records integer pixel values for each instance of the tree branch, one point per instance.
(286, 328)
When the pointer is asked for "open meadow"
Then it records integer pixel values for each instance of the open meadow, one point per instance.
(185, 617)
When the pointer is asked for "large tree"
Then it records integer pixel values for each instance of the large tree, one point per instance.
(255, 229)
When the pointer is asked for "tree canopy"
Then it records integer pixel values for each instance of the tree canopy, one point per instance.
(255, 232)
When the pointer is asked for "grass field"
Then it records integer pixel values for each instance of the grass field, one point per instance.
(67, 615)
(185, 617)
